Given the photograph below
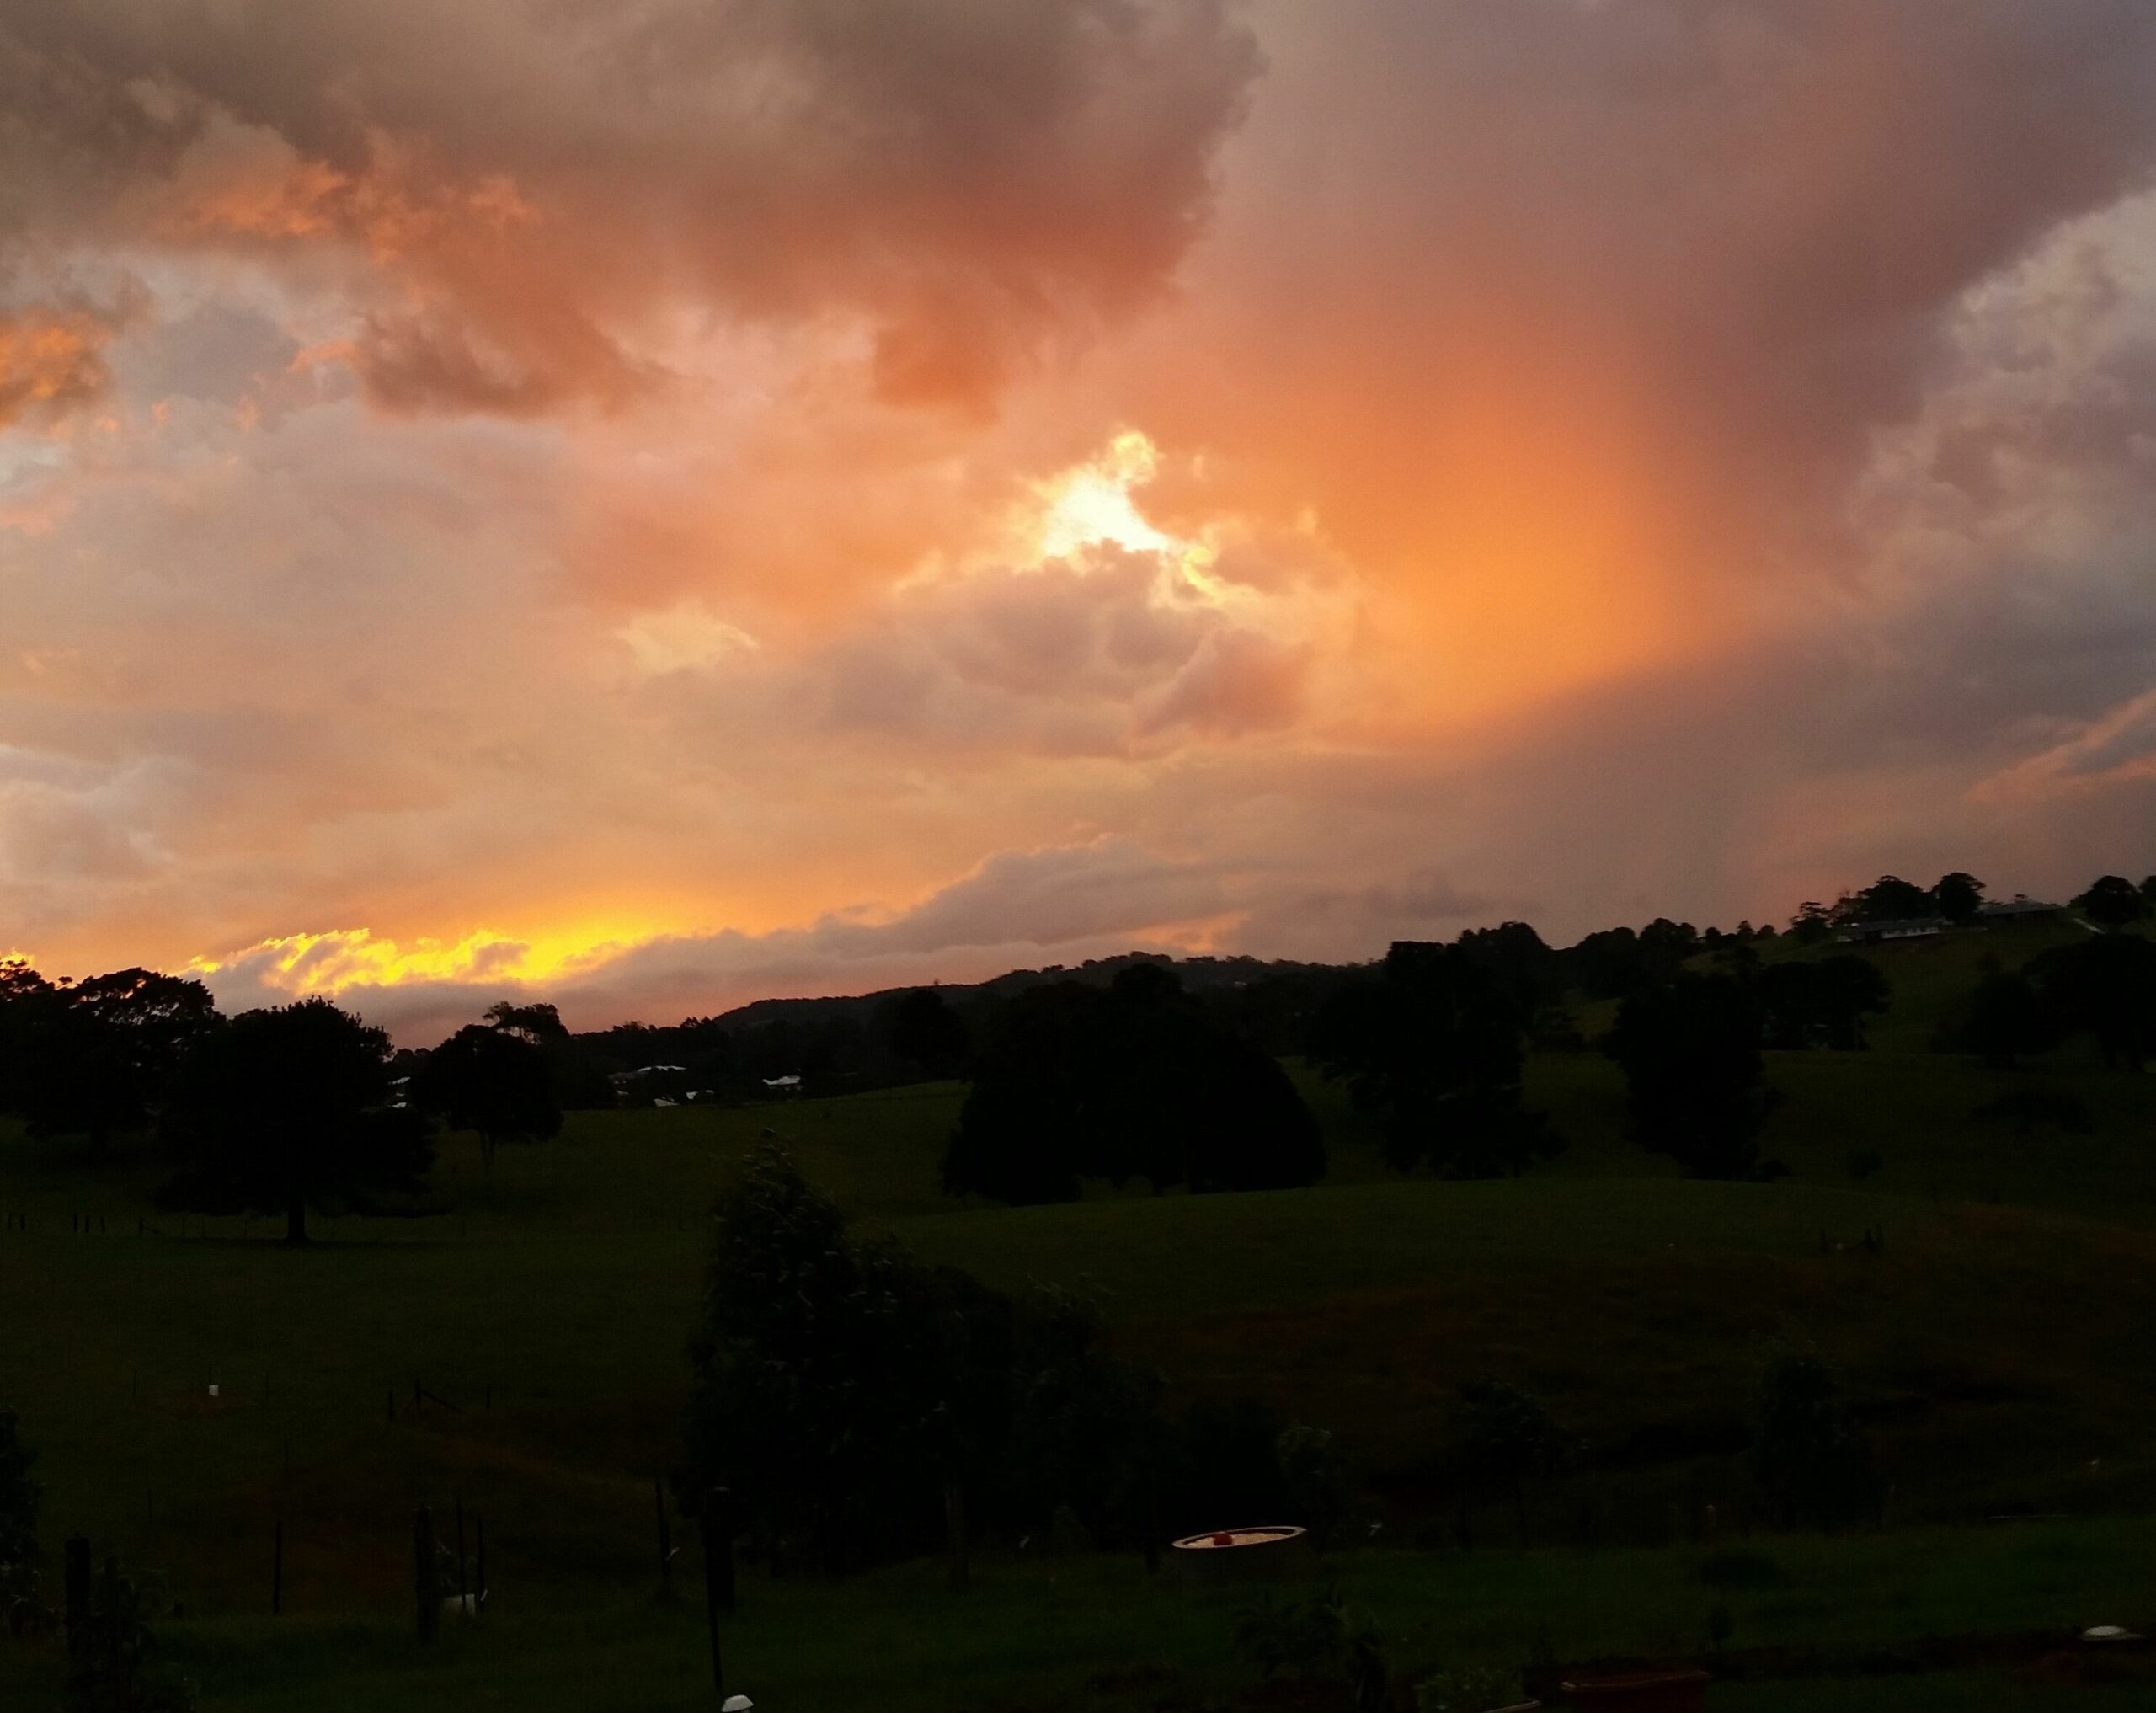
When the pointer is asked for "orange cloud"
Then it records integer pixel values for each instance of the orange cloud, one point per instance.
(51, 363)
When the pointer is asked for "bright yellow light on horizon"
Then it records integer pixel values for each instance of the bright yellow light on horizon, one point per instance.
(306, 965)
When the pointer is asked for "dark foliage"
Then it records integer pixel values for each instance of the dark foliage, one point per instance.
(2112, 902)
(1959, 896)
(288, 1109)
(2104, 987)
(2008, 1018)
(1807, 1455)
(1888, 899)
(95, 1058)
(492, 1081)
(1690, 1055)
(838, 1386)
(1138, 1080)
(1431, 1044)
(1821, 1003)
(921, 1029)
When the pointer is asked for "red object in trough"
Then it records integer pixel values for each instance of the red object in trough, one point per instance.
(1641, 1692)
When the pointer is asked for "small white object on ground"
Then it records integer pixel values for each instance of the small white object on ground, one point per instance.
(736, 1704)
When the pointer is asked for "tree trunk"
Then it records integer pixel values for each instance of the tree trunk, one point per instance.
(296, 1221)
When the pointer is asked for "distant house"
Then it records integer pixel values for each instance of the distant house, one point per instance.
(783, 1085)
(2018, 908)
(1904, 928)
(622, 1079)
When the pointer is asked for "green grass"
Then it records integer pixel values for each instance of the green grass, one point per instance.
(1077, 1632)
(1996, 1346)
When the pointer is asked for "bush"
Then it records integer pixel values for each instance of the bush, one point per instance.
(1317, 1639)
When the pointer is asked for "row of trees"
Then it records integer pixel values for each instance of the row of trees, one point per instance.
(278, 1110)
(2103, 988)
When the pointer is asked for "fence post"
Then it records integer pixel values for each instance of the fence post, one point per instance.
(954, 1525)
(424, 1588)
(665, 1539)
(718, 1558)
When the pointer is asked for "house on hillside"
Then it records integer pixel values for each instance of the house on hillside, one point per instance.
(2018, 908)
(1878, 933)
(783, 1085)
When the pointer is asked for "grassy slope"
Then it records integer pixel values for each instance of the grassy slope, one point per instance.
(1638, 1304)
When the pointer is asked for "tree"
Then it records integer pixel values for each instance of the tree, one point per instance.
(537, 1024)
(818, 1364)
(1959, 896)
(490, 1081)
(96, 1057)
(1812, 923)
(2112, 902)
(287, 1109)
(1609, 963)
(1807, 1452)
(1501, 1436)
(1823, 1001)
(1135, 1081)
(1690, 1055)
(921, 1028)
(1888, 899)
(1432, 1045)
(1528, 972)
(2104, 988)
(2007, 1019)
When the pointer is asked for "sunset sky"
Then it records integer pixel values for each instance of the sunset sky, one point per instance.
(652, 503)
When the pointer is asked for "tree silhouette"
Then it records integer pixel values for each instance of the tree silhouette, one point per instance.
(1135, 1081)
(1959, 896)
(492, 1082)
(1690, 1055)
(2104, 988)
(96, 1057)
(2112, 902)
(2007, 1018)
(1888, 899)
(1822, 1001)
(286, 1109)
(1432, 1045)
(921, 1026)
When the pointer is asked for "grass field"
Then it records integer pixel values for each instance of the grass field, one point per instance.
(1997, 1345)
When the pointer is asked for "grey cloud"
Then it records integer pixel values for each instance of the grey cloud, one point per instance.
(970, 179)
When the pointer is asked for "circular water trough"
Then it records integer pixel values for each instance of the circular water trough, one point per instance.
(1268, 1552)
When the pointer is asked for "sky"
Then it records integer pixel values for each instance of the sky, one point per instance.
(649, 504)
